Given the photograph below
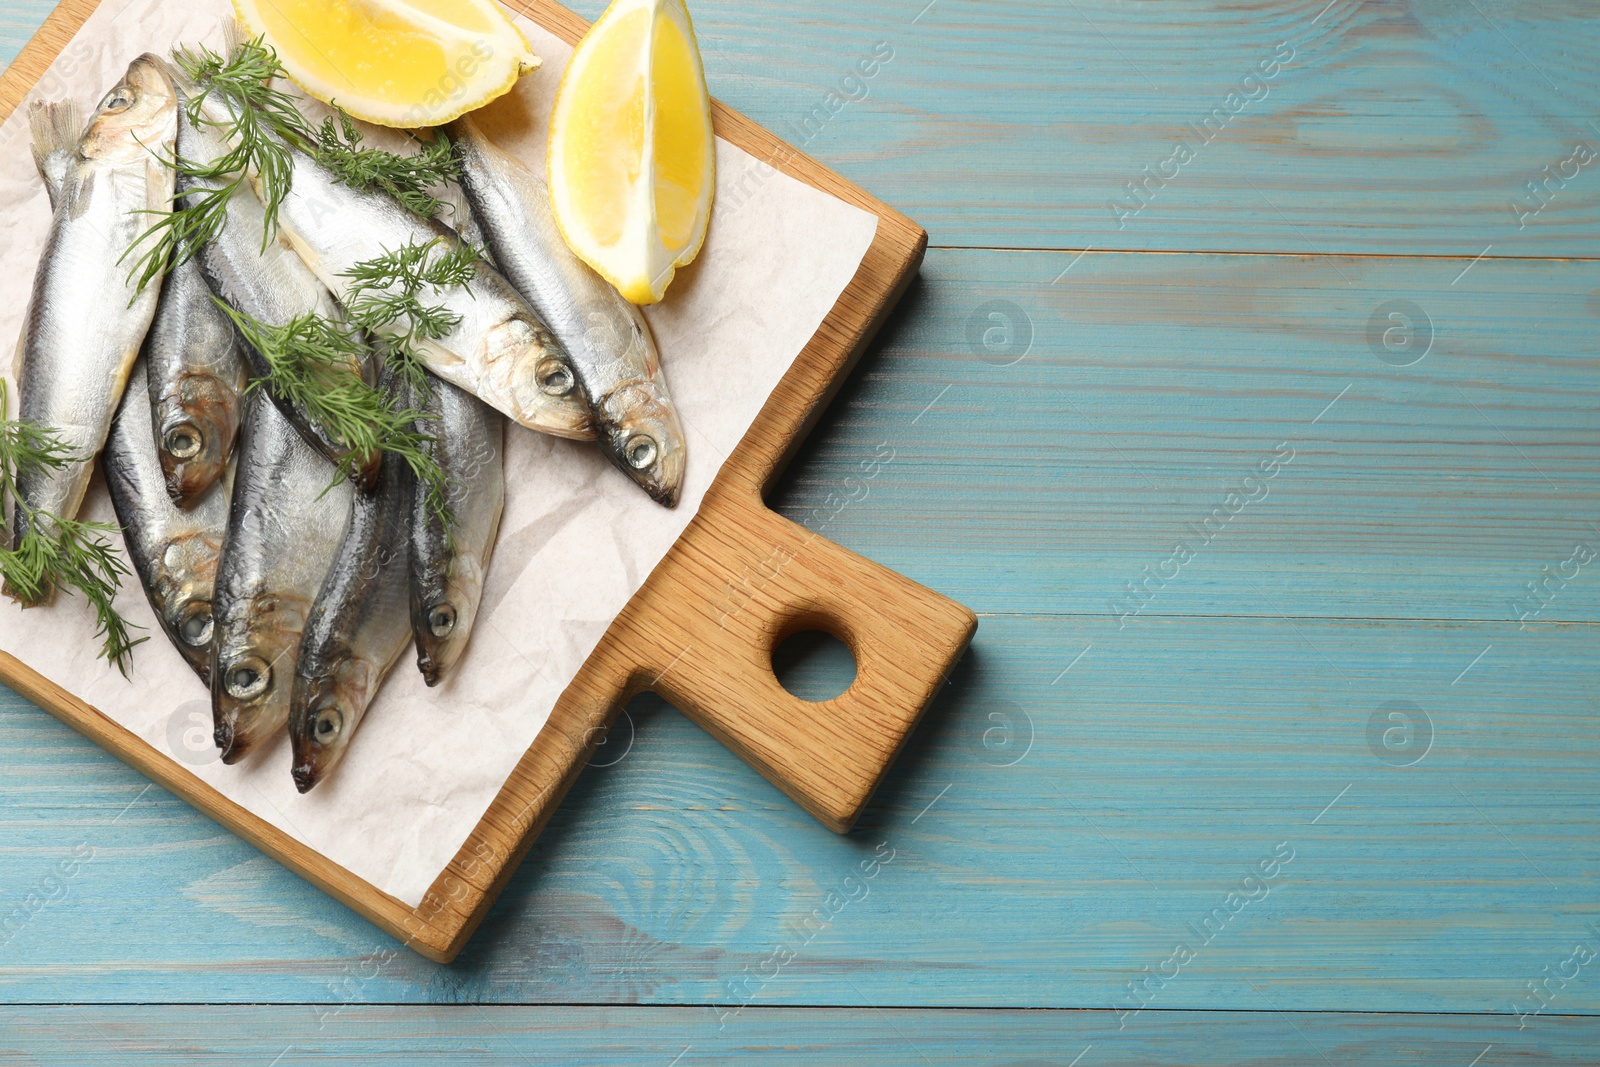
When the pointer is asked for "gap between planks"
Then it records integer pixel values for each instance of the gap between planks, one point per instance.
(1287, 618)
(1235, 252)
(428, 1006)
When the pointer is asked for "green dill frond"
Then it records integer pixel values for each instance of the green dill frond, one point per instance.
(386, 298)
(310, 364)
(25, 448)
(402, 357)
(387, 290)
(177, 235)
(262, 126)
(264, 122)
(314, 365)
(79, 558)
(263, 129)
(455, 267)
(406, 178)
(412, 266)
(59, 553)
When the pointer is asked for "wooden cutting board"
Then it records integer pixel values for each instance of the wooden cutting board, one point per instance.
(700, 632)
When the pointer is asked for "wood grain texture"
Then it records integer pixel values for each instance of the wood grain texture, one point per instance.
(1167, 755)
(136, 1036)
(1052, 834)
(1395, 128)
(1155, 384)
(829, 756)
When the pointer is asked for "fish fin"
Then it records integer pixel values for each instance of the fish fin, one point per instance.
(22, 346)
(57, 128)
(234, 34)
(186, 86)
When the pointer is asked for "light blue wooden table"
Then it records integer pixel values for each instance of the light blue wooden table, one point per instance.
(1273, 467)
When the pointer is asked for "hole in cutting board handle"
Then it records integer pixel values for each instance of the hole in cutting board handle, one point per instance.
(813, 664)
(765, 579)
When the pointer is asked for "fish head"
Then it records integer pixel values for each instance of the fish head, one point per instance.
(138, 116)
(196, 431)
(443, 608)
(538, 377)
(252, 675)
(183, 589)
(328, 706)
(641, 434)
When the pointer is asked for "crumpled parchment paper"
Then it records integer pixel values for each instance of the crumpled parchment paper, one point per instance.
(578, 539)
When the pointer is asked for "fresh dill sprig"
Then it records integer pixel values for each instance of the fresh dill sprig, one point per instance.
(309, 365)
(388, 288)
(406, 178)
(179, 233)
(263, 130)
(387, 298)
(58, 553)
(262, 126)
(264, 122)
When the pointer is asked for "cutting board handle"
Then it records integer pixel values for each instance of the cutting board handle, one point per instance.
(761, 579)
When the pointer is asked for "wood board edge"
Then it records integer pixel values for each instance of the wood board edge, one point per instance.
(611, 676)
(462, 895)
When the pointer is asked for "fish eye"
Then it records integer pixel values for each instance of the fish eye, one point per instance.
(195, 628)
(556, 378)
(442, 621)
(326, 726)
(118, 99)
(247, 679)
(640, 451)
(183, 440)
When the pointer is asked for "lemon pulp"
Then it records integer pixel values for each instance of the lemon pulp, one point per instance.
(395, 62)
(631, 147)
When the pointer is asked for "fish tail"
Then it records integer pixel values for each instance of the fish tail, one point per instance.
(55, 127)
(234, 34)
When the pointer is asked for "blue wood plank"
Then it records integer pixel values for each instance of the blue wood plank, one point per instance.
(1053, 834)
(1172, 750)
(403, 1037)
(1394, 128)
(1386, 128)
(19, 19)
(1123, 401)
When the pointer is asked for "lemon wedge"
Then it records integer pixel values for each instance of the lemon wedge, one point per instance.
(405, 63)
(632, 157)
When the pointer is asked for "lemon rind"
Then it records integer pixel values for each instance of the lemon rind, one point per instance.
(650, 285)
(523, 61)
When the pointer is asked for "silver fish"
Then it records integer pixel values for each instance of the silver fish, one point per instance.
(608, 339)
(357, 629)
(448, 567)
(195, 364)
(85, 321)
(284, 529)
(264, 279)
(174, 550)
(499, 350)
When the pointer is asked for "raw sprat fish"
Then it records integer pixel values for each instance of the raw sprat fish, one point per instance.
(287, 566)
(607, 338)
(448, 565)
(85, 320)
(284, 530)
(174, 550)
(195, 363)
(356, 631)
(258, 275)
(497, 348)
